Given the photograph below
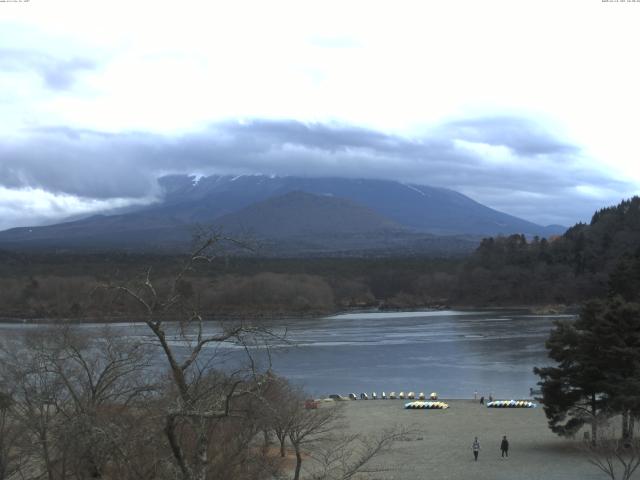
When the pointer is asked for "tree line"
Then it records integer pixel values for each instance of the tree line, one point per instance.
(567, 269)
(503, 271)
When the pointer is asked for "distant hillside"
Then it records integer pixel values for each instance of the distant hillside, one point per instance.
(304, 215)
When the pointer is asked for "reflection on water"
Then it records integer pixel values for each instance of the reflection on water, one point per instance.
(451, 352)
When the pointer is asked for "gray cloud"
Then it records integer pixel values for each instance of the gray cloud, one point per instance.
(543, 180)
(520, 135)
(56, 73)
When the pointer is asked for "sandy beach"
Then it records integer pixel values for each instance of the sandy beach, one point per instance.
(440, 448)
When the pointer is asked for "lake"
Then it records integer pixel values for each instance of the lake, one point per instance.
(453, 353)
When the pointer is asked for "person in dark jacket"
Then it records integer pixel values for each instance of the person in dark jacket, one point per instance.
(504, 446)
(476, 448)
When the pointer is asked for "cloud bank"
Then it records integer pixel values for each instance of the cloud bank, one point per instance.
(56, 73)
(509, 163)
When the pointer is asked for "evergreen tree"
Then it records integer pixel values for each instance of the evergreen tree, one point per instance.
(618, 327)
(598, 371)
(574, 391)
(625, 279)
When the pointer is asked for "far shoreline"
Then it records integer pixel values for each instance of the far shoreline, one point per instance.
(542, 310)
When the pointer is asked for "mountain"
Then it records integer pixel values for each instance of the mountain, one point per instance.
(301, 214)
(433, 210)
(325, 214)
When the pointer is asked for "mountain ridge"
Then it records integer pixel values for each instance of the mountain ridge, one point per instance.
(412, 205)
(298, 207)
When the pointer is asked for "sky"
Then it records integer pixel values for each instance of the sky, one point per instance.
(530, 107)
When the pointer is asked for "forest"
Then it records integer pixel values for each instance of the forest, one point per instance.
(504, 271)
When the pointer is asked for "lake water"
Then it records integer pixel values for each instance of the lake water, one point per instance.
(453, 353)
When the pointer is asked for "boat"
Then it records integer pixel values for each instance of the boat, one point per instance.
(337, 397)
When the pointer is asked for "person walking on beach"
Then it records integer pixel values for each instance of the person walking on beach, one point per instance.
(476, 448)
(504, 446)
(481, 400)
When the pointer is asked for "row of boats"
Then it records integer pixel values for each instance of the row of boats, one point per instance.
(432, 403)
(511, 404)
(426, 405)
(494, 404)
(384, 396)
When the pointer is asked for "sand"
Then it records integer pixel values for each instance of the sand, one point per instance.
(440, 447)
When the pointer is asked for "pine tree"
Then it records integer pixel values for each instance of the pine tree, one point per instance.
(573, 392)
(598, 371)
(625, 279)
(618, 327)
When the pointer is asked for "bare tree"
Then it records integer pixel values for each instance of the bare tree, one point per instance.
(11, 457)
(333, 455)
(35, 393)
(71, 391)
(615, 457)
(344, 457)
(104, 375)
(200, 401)
(281, 402)
(309, 426)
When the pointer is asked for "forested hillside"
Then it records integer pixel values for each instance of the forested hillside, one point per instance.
(564, 269)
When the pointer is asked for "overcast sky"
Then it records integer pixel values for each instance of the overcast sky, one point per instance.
(530, 107)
